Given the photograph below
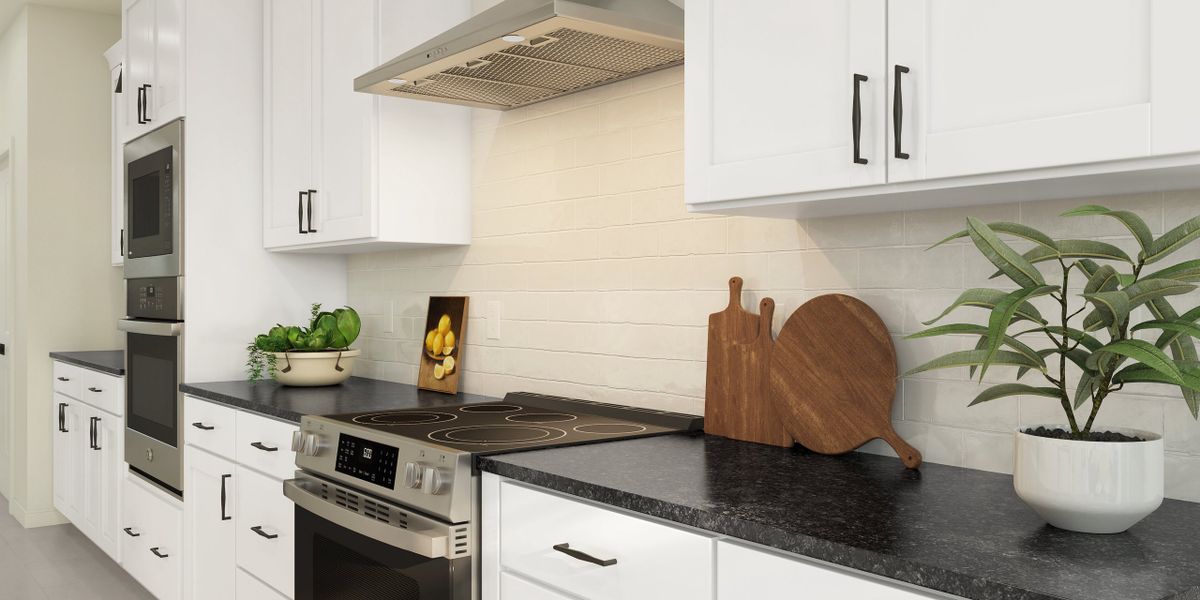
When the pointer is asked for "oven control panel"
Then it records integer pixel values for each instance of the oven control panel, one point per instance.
(367, 460)
(153, 298)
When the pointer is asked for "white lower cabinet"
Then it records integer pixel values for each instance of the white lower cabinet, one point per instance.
(238, 524)
(151, 543)
(512, 586)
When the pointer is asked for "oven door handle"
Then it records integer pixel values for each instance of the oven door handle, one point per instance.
(159, 328)
(417, 542)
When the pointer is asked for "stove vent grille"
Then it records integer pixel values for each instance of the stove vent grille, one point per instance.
(364, 506)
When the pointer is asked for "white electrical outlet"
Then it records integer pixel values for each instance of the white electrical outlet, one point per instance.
(493, 319)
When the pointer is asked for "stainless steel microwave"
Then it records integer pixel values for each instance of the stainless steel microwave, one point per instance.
(154, 203)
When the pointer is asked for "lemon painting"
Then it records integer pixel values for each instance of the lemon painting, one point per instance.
(441, 356)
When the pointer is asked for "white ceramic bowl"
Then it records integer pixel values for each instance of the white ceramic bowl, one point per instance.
(1093, 487)
(309, 369)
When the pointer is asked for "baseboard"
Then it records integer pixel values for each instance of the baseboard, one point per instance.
(29, 520)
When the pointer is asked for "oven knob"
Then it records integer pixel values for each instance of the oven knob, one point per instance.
(297, 440)
(310, 445)
(432, 481)
(412, 475)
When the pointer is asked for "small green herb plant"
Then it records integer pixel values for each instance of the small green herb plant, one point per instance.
(1102, 345)
(326, 331)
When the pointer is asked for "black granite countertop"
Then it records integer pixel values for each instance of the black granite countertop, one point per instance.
(959, 531)
(290, 403)
(107, 361)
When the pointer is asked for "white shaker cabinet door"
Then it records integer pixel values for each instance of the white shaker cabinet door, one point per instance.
(103, 474)
(1024, 84)
(68, 447)
(771, 97)
(209, 526)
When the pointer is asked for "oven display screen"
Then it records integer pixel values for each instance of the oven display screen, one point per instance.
(367, 460)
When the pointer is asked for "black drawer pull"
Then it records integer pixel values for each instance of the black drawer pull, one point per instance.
(63, 378)
(262, 447)
(259, 530)
(95, 390)
(898, 110)
(585, 557)
(200, 425)
(155, 551)
(129, 532)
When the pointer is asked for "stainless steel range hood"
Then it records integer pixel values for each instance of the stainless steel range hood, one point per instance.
(524, 51)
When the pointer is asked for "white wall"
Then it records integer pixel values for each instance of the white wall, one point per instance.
(61, 232)
(234, 289)
(13, 55)
(605, 283)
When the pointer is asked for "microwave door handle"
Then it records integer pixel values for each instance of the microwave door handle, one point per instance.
(159, 328)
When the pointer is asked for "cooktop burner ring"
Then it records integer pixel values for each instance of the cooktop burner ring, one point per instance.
(542, 417)
(489, 435)
(400, 418)
(610, 428)
(490, 408)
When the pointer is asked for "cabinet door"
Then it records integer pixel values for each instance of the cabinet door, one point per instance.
(770, 96)
(103, 457)
(209, 526)
(1003, 86)
(266, 540)
(288, 88)
(165, 97)
(138, 20)
(70, 439)
(515, 588)
(747, 574)
(116, 56)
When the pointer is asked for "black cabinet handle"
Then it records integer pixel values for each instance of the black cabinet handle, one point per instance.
(155, 551)
(141, 100)
(92, 433)
(300, 216)
(898, 110)
(856, 119)
(260, 446)
(96, 433)
(129, 532)
(311, 194)
(62, 417)
(63, 378)
(259, 530)
(122, 241)
(224, 478)
(146, 103)
(585, 557)
(95, 390)
(199, 425)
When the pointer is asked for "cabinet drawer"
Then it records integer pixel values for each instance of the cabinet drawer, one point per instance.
(249, 588)
(66, 379)
(210, 426)
(152, 548)
(266, 444)
(515, 588)
(102, 391)
(653, 561)
(266, 530)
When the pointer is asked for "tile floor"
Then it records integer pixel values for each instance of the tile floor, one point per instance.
(58, 563)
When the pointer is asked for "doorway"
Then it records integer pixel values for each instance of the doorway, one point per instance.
(6, 276)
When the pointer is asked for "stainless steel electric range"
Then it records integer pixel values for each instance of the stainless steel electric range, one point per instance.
(387, 503)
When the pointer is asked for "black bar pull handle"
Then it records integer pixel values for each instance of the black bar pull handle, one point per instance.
(263, 447)
(259, 530)
(224, 478)
(155, 551)
(146, 103)
(585, 557)
(62, 417)
(129, 532)
(300, 215)
(95, 390)
(311, 194)
(63, 378)
(96, 433)
(856, 119)
(898, 110)
(202, 426)
(141, 94)
(92, 433)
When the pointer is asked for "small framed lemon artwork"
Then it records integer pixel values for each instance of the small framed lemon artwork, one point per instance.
(442, 351)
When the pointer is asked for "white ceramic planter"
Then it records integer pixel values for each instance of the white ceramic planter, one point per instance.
(309, 369)
(1093, 487)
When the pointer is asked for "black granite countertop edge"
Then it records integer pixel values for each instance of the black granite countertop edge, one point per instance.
(889, 567)
(105, 361)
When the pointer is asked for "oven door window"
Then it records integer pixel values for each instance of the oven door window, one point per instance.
(153, 386)
(150, 190)
(334, 562)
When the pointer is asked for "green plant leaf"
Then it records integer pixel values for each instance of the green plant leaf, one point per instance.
(1015, 229)
(1013, 389)
(1142, 292)
(1138, 373)
(1182, 347)
(968, 358)
(1173, 240)
(1183, 327)
(1088, 383)
(1131, 221)
(1086, 249)
(987, 298)
(1112, 308)
(1002, 316)
(1184, 271)
(1103, 280)
(1141, 351)
(1086, 340)
(1004, 257)
(980, 330)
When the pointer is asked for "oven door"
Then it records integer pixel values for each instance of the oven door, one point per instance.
(153, 203)
(154, 353)
(353, 547)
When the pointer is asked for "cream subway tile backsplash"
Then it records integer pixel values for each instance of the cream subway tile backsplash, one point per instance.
(605, 282)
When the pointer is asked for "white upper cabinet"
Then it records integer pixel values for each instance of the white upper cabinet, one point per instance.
(348, 171)
(154, 71)
(965, 102)
(774, 89)
(115, 57)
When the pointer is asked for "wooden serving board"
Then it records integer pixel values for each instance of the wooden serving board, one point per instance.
(833, 378)
(736, 405)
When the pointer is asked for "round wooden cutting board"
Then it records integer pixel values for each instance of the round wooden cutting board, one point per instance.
(833, 378)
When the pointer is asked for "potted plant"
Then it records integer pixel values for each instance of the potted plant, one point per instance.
(319, 354)
(1074, 476)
